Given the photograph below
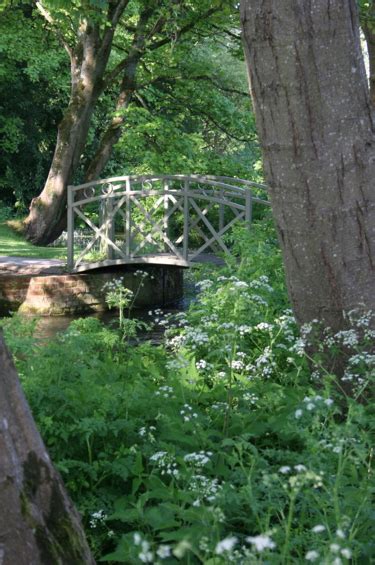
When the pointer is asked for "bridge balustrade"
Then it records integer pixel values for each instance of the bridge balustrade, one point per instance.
(168, 219)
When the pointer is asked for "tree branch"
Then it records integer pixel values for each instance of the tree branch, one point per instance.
(113, 17)
(217, 85)
(227, 32)
(183, 29)
(174, 79)
(135, 51)
(47, 16)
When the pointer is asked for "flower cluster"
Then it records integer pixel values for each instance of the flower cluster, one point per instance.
(166, 463)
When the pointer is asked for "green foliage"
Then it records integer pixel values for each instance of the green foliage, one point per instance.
(226, 444)
(192, 115)
(32, 92)
(190, 111)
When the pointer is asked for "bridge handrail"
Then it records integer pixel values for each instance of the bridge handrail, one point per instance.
(170, 192)
(209, 179)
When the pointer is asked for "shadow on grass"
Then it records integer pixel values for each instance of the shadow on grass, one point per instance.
(13, 244)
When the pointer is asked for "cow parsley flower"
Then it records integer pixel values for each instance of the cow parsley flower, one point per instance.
(318, 528)
(311, 555)
(227, 544)
(261, 542)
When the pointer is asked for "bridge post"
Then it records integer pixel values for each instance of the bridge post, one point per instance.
(186, 221)
(166, 205)
(70, 227)
(248, 207)
(110, 227)
(221, 211)
(127, 220)
(106, 220)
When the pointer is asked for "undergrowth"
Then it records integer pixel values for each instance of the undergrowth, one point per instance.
(224, 444)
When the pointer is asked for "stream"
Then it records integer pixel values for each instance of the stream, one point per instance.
(49, 326)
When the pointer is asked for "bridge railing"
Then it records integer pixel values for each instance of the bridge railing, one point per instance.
(169, 219)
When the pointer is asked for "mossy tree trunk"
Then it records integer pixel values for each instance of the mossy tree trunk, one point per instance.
(314, 118)
(38, 522)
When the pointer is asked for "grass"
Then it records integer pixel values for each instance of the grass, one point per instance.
(13, 244)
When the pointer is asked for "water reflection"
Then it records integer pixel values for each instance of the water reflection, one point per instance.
(48, 326)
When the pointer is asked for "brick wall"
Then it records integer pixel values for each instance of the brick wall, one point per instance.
(78, 293)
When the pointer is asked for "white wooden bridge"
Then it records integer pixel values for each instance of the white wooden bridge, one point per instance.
(166, 220)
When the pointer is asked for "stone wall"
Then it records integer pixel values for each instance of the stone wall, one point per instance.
(60, 294)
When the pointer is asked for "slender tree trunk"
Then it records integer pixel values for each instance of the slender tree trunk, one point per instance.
(314, 119)
(113, 132)
(38, 522)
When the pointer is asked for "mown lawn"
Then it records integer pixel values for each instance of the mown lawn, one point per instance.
(14, 244)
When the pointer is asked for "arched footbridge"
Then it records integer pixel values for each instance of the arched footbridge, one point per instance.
(162, 220)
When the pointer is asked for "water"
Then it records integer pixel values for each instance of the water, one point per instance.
(49, 326)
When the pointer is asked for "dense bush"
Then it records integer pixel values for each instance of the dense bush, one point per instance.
(226, 444)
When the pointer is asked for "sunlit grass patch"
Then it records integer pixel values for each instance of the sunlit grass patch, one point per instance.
(14, 244)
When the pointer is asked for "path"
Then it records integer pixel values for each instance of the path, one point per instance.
(27, 266)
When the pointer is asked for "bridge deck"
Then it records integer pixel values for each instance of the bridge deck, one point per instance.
(159, 259)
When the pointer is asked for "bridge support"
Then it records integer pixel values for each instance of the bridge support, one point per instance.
(63, 293)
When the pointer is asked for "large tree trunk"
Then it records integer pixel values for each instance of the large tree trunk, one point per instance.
(38, 522)
(47, 216)
(313, 113)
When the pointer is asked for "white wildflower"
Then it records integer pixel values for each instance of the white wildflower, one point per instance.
(163, 551)
(311, 555)
(226, 544)
(334, 547)
(261, 542)
(318, 528)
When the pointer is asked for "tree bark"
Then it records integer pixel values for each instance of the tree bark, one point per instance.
(38, 522)
(47, 216)
(314, 119)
